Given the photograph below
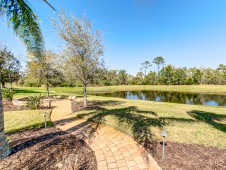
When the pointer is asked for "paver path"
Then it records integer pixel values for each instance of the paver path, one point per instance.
(113, 149)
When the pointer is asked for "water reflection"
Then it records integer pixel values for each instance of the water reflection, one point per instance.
(172, 97)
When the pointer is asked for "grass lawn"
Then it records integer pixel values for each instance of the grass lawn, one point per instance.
(203, 125)
(25, 119)
(145, 120)
(27, 91)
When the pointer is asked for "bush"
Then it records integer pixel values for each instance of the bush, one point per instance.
(8, 94)
(70, 84)
(31, 83)
(34, 102)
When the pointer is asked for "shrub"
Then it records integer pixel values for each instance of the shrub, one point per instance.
(8, 94)
(31, 83)
(34, 102)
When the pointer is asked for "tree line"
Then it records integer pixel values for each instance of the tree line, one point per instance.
(165, 75)
(54, 70)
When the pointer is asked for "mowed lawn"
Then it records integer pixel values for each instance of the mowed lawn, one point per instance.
(145, 120)
(25, 119)
(28, 91)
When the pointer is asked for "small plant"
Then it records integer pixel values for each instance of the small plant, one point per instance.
(8, 94)
(34, 102)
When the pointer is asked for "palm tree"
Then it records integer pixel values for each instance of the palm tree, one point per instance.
(25, 25)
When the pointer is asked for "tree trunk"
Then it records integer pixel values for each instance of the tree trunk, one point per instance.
(47, 89)
(85, 97)
(4, 148)
(11, 82)
(158, 70)
(11, 85)
(3, 84)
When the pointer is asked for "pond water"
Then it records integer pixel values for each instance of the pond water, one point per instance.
(171, 97)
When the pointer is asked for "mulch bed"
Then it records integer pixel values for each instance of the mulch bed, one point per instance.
(49, 149)
(190, 157)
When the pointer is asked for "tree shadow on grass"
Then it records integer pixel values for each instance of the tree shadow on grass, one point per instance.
(25, 91)
(212, 119)
(96, 104)
(135, 119)
(107, 103)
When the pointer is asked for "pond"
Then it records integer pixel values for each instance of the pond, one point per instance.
(171, 97)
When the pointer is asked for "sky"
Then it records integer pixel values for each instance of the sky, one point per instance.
(187, 33)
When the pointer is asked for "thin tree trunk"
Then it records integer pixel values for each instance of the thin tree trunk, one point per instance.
(4, 148)
(85, 96)
(47, 89)
(11, 85)
(158, 70)
(11, 82)
(3, 84)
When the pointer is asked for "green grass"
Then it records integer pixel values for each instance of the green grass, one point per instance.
(25, 119)
(144, 120)
(28, 91)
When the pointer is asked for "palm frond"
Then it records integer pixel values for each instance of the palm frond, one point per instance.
(24, 23)
(49, 4)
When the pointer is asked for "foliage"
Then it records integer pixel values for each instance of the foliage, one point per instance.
(43, 71)
(24, 23)
(83, 48)
(49, 73)
(34, 102)
(8, 94)
(32, 76)
(159, 61)
(9, 67)
(145, 66)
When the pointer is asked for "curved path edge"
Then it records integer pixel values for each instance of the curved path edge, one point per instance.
(113, 149)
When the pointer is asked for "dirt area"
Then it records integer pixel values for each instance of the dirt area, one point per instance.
(48, 149)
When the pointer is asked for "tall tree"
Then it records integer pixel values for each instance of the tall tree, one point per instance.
(32, 74)
(180, 76)
(145, 65)
(10, 68)
(83, 48)
(49, 74)
(123, 77)
(158, 61)
(26, 26)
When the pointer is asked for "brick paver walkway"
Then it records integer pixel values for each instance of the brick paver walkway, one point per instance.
(113, 149)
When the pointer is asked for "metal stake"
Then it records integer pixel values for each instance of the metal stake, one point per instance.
(164, 135)
(163, 148)
(45, 118)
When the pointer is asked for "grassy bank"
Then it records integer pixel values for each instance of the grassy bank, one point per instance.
(27, 91)
(145, 120)
(25, 119)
